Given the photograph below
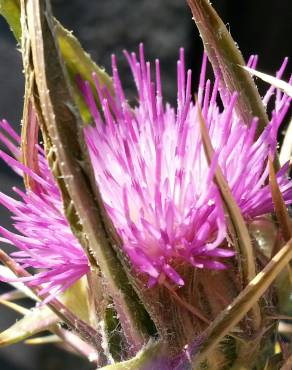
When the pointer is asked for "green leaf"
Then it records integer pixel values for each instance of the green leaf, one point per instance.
(10, 9)
(76, 60)
(86, 332)
(47, 339)
(46, 319)
(34, 322)
(226, 60)
(15, 307)
(150, 357)
(75, 297)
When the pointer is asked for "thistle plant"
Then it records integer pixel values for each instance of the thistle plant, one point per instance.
(143, 228)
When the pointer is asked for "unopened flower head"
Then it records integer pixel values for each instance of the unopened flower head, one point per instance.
(155, 180)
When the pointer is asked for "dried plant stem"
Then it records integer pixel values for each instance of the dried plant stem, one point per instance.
(286, 149)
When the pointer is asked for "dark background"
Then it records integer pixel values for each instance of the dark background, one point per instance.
(263, 27)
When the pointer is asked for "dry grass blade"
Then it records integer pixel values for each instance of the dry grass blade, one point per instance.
(33, 322)
(13, 295)
(274, 81)
(242, 239)
(9, 275)
(15, 307)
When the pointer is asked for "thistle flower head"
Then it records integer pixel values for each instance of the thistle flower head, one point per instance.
(153, 174)
(154, 178)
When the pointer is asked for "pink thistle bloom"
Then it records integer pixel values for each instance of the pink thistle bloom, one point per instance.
(154, 178)
(153, 175)
(43, 235)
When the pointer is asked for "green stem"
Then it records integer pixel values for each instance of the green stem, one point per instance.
(69, 161)
(150, 357)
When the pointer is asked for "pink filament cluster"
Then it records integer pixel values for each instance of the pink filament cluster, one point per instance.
(153, 175)
(155, 180)
(42, 234)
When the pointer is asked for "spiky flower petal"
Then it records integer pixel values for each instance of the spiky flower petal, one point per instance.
(42, 234)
